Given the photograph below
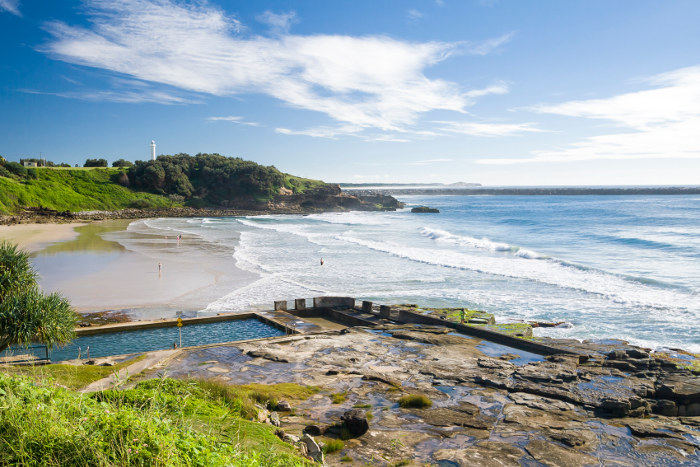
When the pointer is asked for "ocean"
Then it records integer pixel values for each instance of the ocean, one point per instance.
(624, 267)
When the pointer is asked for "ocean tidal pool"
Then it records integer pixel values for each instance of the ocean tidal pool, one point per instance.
(146, 340)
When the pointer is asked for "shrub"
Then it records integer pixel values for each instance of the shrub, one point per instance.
(139, 204)
(17, 169)
(332, 445)
(415, 401)
(27, 314)
(95, 163)
(122, 163)
(31, 173)
(4, 172)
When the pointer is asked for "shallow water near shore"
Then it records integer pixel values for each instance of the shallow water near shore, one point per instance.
(611, 266)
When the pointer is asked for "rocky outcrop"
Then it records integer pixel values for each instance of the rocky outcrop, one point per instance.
(331, 198)
(425, 209)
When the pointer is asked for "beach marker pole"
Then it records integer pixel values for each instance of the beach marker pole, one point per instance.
(179, 327)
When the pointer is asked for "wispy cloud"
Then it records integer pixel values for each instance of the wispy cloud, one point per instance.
(413, 15)
(487, 129)
(323, 132)
(11, 6)
(279, 23)
(429, 161)
(233, 119)
(658, 123)
(488, 46)
(369, 82)
(125, 97)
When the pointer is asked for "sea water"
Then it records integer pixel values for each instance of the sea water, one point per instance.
(608, 266)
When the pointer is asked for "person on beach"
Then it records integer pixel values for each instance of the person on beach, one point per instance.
(160, 268)
(321, 261)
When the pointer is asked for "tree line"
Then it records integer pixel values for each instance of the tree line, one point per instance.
(211, 178)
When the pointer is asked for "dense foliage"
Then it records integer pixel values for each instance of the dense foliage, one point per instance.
(211, 177)
(26, 314)
(159, 422)
(95, 163)
(122, 163)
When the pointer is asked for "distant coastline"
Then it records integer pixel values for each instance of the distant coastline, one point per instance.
(523, 191)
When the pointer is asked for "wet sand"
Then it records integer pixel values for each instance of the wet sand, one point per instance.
(35, 237)
(97, 273)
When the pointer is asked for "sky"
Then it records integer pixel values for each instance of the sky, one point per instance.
(496, 92)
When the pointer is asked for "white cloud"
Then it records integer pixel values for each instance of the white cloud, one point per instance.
(11, 6)
(429, 161)
(658, 123)
(488, 46)
(279, 23)
(233, 119)
(125, 97)
(413, 15)
(487, 129)
(369, 82)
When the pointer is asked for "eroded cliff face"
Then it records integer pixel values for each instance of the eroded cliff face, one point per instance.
(331, 198)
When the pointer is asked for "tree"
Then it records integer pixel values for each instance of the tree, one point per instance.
(95, 163)
(122, 163)
(26, 314)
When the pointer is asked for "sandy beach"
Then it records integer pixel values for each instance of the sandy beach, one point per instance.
(97, 273)
(35, 237)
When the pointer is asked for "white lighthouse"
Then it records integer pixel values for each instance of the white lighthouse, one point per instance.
(153, 150)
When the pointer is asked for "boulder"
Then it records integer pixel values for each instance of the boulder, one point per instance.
(275, 419)
(313, 430)
(284, 406)
(425, 209)
(314, 451)
(615, 407)
(356, 422)
(665, 407)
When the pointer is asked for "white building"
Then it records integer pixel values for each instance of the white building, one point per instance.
(153, 150)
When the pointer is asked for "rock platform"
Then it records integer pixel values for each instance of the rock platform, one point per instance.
(491, 404)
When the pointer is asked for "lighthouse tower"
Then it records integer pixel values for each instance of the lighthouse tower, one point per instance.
(153, 150)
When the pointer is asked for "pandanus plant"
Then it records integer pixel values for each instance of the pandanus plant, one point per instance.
(28, 315)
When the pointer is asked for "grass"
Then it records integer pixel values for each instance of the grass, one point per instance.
(70, 376)
(300, 185)
(415, 401)
(339, 397)
(332, 445)
(346, 458)
(74, 190)
(158, 422)
(362, 406)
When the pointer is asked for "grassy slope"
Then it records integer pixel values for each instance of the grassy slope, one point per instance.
(73, 190)
(80, 189)
(159, 422)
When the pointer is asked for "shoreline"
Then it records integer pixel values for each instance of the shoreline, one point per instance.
(99, 275)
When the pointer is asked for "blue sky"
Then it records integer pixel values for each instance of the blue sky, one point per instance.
(490, 91)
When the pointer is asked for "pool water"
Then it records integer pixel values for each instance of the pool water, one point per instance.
(145, 340)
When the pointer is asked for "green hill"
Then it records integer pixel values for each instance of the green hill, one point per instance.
(72, 190)
(205, 180)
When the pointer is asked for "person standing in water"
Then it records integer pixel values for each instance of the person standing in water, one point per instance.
(321, 261)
